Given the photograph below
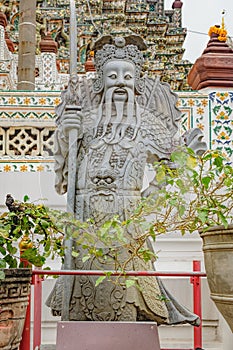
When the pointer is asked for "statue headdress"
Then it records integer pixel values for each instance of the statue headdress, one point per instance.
(127, 48)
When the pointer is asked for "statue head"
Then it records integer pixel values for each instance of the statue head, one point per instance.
(118, 63)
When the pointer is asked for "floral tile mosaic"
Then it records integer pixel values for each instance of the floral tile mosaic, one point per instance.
(213, 114)
(32, 99)
(194, 111)
(221, 121)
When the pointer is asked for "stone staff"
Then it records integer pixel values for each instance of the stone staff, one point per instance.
(73, 149)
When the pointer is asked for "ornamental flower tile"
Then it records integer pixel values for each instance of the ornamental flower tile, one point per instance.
(7, 168)
(23, 168)
(40, 168)
(42, 101)
(191, 103)
(57, 101)
(12, 101)
(27, 101)
(221, 119)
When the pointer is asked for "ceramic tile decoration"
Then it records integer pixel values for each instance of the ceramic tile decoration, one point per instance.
(221, 121)
(31, 117)
(27, 124)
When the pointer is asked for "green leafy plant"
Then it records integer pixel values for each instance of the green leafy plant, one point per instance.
(28, 235)
(192, 193)
(197, 192)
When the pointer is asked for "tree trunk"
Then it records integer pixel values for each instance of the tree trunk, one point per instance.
(27, 45)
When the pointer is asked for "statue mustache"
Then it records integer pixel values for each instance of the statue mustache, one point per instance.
(117, 126)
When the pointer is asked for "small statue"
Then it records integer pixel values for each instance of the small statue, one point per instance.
(125, 122)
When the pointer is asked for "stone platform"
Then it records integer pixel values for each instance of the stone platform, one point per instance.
(107, 335)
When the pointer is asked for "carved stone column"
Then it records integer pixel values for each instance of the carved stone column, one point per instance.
(27, 45)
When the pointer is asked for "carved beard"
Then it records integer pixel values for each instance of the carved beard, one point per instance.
(120, 114)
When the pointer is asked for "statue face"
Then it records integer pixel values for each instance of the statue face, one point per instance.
(120, 75)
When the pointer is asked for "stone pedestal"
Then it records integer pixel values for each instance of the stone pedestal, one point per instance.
(107, 335)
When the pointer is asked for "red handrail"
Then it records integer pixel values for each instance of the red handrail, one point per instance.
(37, 282)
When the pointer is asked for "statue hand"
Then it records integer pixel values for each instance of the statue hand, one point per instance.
(72, 119)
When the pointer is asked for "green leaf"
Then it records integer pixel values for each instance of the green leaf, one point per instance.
(228, 182)
(10, 248)
(75, 254)
(181, 210)
(208, 156)
(180, 183)
(33, 257)
(44, 223)
(2, 264)
(218, 161)
(47, 246)
(17, 231)
(130, 282)
(99, 280)
(179, 157)
(206, 181)
(2, 250)
(160, 175)
(202, 215)
(12, 262)
(147, 255)
(2, 275)
(223, 219)
(85, 258)
(26, 198)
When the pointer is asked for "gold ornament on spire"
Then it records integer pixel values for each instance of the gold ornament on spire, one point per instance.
(221, 32)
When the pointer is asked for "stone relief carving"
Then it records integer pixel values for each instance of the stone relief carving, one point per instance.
(125, 122)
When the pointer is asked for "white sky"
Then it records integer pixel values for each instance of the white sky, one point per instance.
(198, 16)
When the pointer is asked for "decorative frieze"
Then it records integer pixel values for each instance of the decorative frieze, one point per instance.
(27, 124)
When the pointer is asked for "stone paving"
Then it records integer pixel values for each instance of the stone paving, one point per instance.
(48, 347)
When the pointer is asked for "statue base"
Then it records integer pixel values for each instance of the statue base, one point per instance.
(77, 335)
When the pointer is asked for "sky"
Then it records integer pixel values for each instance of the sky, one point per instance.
(199, 16)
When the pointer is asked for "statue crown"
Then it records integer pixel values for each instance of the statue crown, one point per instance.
(120, 50)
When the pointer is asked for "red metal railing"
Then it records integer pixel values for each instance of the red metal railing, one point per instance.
(195, 279)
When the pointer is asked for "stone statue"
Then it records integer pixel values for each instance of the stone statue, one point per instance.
(125, 122)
